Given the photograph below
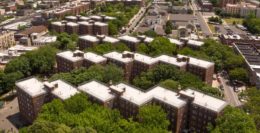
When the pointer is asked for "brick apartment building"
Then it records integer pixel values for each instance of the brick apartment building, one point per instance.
(188, 110)
(68, 61)
(88, 41)
(131, 42)
(72, 28)
(81, 28)
(32, 94)
(134, 64)
(72, 8)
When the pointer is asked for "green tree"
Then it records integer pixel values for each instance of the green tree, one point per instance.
(170, 73)
(169, 27)
(234, 121)
(112, 28)
(158, 46)
(19, 65)
(253, 24)
(239, 74)
(77, 104)
(108, 47)
(10, 79)
(42, 60)
(153, 116)
(253, 105)
(151, 33)
(112, 73)
(170, 84)
(48, 127)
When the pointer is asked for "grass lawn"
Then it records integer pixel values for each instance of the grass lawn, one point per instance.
(231, 20)
(212, 28)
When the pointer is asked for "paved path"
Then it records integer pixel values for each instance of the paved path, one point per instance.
(9, 114)
(230, 96)
(204, 26)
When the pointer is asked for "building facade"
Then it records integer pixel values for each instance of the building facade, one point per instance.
(6, 39)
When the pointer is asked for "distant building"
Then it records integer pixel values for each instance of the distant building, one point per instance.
(88, 41)
(205, 5)
(68, 61)
(235, 38)
(6, 39)
(250, 53)
(134, 64)
(81, 28)
(242, 9)
(71, 8)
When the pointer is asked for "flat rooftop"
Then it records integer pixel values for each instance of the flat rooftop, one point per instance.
(100, 24)
(72, 24)
(129, 39)
(139, 97)
(175, 41)
(110, 39)
(171, 60)
(144, 59)
(64, 90)
(89, 38)
(195, 43)
(31, 86)
(94, 57)
(206, 101)
(69, 56)
(118, 56)
(58, 23)
(97, 90)
(198, 62)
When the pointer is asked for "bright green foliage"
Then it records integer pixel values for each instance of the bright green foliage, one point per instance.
(239, 74)
(66, 41)
(169, 27)
(164, 73)
(153, 116)
(122, 13)
(253, 24)
(100, 73)
(42, 60)
(108, 47)
(39, 61)
(170, 84)
(7, 80)
(47, 127)
(19, 65)
(215, 20)
(70, 116)
(253, 105)
(234, 120)
(223, 56)
(151, 33)
(158, 46)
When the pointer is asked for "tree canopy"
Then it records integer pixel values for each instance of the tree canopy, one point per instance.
(77, 114)
(234, 121)
(98, 72)
(223, 56)
(170, 77)
(253, 24)
(253, 105)
(39, 61)
(159, 46)
(108, 47)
